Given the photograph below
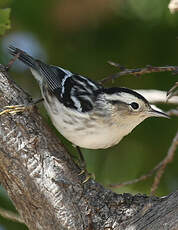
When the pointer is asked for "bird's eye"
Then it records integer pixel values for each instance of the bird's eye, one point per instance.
(134, 105)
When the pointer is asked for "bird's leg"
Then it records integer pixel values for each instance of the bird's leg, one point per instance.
(13, 109)
(82, 165)
(82, 159)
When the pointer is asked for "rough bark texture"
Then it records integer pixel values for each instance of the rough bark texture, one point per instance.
(45, 186)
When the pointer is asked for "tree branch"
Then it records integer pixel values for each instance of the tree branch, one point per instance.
(45, 186)
(138, 71)
(168, 159)
(158, 169)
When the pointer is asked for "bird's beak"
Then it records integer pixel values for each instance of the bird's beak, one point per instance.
(157, 113)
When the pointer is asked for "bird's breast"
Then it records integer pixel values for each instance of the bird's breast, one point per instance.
(86, 131)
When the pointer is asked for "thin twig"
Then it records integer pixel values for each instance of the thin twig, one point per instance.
(141, 178)
(11, 215)
(138, 71)
(159, 168)
(12, 61)
(153, 96)
(173, 91)
(167, 160)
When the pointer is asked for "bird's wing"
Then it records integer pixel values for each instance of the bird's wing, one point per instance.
(74, 91)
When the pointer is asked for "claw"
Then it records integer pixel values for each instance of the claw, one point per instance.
(88, 175)
(13, 109)
(82, 172)
(86, 179)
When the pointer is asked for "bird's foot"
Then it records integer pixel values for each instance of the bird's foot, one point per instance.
(83, 167)
(87, 175)
(13, 109)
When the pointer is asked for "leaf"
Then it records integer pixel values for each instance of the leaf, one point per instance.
(4, 20)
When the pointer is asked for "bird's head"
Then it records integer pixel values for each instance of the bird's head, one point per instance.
(128, 107)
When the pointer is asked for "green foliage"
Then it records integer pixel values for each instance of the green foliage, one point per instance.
(4, 20)
(4, 3)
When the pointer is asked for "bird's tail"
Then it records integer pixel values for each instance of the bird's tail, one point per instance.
(23, 56)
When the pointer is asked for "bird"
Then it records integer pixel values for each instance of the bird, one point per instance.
(86, 113)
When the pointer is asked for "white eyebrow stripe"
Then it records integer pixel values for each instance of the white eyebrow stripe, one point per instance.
(123, 97)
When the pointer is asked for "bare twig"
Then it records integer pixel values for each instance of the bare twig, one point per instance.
(141, 178)
(11, 62)
(173, 91)
(167, 160)
(138, 71)
(170, 155)
(11, 215)
(159, 167)
(156, 96)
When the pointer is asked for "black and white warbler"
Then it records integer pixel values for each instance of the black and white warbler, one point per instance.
(83, 111)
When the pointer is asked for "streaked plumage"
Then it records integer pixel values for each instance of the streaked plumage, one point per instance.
(83, 111)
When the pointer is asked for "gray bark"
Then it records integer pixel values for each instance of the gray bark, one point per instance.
(44, 184)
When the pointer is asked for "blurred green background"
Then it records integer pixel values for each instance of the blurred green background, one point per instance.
(82, 35)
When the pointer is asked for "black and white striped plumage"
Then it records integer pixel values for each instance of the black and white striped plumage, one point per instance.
(82, 110)
(73, 90)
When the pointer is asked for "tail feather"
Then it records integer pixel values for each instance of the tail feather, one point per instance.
(40, 70)
(23, 56)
